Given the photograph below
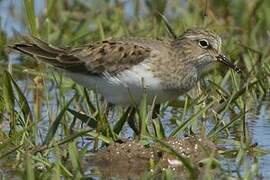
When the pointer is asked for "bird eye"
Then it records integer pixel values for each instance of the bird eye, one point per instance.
(204, 43)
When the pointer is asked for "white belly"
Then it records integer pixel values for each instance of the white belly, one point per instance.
(128, 87)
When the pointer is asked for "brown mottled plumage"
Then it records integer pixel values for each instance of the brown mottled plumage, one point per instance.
(122, 68)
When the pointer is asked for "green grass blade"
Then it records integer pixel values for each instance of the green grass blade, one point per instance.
(65, 140)
(75, 160)
(225, 126)
(84, 118)
(168, 26)
(9, 152)
(31, 17)
(89, 103)
(30, 174)
(22, 100)
(191, 119)
(9, 100)
(120, 123)
(143, 115)
(14, 138)
(105, 139)
(8, 95)
(53, 128)
(158, 128)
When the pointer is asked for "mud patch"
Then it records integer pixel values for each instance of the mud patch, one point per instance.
(132, 159)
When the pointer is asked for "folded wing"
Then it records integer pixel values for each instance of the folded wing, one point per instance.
(112, 56)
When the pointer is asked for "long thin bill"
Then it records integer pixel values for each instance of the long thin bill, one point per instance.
(222, 58)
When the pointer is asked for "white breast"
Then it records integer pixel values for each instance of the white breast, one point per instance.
(127, 87)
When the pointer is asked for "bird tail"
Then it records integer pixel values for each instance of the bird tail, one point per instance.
(38, 49)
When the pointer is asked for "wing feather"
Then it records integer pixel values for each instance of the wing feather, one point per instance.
(112, 56)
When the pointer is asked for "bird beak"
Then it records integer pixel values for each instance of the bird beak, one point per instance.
(223, 59)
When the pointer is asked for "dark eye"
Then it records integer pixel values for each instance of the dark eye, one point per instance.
(204, 43)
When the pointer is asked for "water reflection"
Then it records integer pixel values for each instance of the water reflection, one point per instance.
(259, 127)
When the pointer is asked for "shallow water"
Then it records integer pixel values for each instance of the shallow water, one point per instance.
(258, 120)
(259, 128)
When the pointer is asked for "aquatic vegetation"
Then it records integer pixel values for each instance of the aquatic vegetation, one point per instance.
(49, 125)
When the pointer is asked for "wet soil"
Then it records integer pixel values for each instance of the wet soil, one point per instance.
(132, 159)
